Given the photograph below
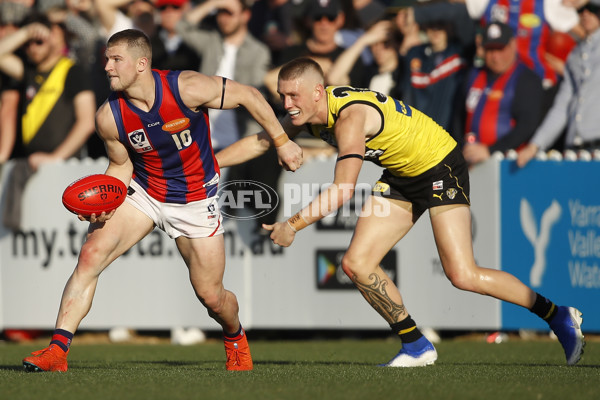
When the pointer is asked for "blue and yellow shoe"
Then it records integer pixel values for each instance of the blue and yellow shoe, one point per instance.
(566, 324)
(417, 354)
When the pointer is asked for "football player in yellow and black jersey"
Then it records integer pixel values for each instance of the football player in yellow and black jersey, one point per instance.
(423, 170)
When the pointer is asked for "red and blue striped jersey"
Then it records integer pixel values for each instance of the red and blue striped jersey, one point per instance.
(531, 29)
(489, 104)
(170, 145)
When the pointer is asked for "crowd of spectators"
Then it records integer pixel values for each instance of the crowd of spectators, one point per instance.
(424, 52)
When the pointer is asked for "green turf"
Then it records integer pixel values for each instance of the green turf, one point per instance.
(314, 370)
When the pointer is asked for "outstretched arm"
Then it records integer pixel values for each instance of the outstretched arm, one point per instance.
(215, 92)
(252, 146)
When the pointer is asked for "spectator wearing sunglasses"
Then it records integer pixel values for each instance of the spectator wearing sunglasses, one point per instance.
(325, 19)
(57, 107)
(55, 115)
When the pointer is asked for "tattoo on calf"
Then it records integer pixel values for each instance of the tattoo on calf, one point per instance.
(376, 294)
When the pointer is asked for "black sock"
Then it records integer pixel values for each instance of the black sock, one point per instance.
(62, 339)
(234, 336)
(407, 330)
(544, 308)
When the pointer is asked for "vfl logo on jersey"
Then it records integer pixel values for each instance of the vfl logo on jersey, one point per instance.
(139, 141)
(176, 125)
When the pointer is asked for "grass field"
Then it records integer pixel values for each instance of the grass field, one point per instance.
(306, 369)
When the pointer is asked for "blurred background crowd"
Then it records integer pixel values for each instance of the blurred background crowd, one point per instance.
(489, 71)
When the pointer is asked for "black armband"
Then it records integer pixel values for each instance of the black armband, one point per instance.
(353, 155)
(223, 93)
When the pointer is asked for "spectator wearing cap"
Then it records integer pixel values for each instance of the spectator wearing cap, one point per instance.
(325, 18)
(575, 106)
(533, 20)
(503, 98)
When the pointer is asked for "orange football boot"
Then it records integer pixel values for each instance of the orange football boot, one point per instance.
(238, 354)
(52, 358)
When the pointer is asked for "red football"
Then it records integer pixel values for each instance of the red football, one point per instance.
(94, 194)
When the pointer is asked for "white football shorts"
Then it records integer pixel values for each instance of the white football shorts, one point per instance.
(193, 220)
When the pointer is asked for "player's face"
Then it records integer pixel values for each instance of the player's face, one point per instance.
(298, 98)
(120, 67)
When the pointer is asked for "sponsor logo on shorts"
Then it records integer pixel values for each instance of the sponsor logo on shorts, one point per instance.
(439, 196)
(438, 185)
(247, 199)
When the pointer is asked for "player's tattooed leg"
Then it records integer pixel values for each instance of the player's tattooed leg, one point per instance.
(376, 294)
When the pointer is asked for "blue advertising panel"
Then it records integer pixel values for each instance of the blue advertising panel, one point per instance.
(550, 236)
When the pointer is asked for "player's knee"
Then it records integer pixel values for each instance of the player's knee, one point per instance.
(213, 300)
(90, 259)
(355, 266)
(462, 280)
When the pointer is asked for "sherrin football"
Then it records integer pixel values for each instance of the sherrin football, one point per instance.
(94, 194)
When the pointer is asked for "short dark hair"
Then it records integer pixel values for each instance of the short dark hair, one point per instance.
(135, 39)
(298, 66)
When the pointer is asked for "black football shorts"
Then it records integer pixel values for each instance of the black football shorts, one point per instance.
(446, 183)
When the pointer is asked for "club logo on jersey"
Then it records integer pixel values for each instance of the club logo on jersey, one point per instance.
(451, 193)
(438, 185)
(176, 125)
(139, 141)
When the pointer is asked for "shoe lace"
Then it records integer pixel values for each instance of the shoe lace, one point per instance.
(40, 352)
(233, 355)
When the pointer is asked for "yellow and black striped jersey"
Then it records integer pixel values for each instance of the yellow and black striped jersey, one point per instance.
(408, 142)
